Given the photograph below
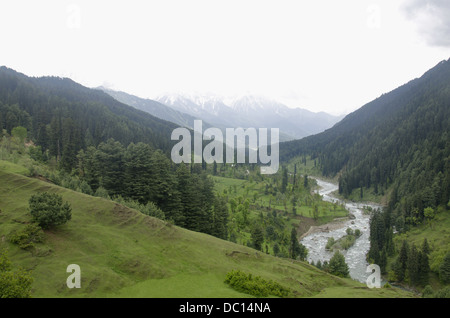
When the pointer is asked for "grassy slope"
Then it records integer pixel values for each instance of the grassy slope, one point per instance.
(123, 253)
(437, 233)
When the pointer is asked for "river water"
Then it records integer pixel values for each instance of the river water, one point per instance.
(355, 256)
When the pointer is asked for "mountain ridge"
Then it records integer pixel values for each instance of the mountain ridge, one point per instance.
(251, 111)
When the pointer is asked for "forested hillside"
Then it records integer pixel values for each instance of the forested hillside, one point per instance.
(398, 142)
(64, 117)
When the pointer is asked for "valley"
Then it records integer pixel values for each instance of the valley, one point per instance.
(145, 226)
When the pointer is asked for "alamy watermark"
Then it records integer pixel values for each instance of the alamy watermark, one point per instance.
(74, 279)
(257, 146)
(374, 279)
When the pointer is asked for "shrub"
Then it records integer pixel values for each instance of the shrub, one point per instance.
(48, 209)
(13, 283)
(349, 231)
(254, 285)
(28, 236)
(102, 193)
(330, 243)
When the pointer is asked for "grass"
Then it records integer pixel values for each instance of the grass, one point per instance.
(12, 167)
(437, 233)
(124, 253)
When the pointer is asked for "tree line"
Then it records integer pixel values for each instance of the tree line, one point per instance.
(185, 193)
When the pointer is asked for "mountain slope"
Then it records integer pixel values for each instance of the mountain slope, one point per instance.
(398, 142)
(154, 108)
(124, 253)
(252, 111)
(64, 116)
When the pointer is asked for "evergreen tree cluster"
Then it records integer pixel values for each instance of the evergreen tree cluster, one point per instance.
(412, 264)
(381, 239)
(144, 175)
(336, 266)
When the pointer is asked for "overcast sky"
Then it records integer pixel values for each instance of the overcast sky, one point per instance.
(322, 55)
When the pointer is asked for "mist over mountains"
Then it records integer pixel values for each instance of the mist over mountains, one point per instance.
(243, 111)
(252, 111)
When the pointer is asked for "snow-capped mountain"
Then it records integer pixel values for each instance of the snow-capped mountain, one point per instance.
(251, 111)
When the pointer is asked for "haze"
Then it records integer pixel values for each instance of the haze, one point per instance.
(331, 56)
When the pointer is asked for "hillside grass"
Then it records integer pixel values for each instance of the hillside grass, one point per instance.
(124, 253)
(437, 233)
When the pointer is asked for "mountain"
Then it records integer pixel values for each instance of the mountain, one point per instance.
(63, 116)
(251, 111)
(154, 108)
(398, 145)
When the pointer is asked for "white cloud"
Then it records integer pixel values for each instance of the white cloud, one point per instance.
(432, 18)
(334, 56)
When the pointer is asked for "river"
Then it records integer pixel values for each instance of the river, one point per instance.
(355, 256)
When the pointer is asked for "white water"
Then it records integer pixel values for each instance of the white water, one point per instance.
(355, 256)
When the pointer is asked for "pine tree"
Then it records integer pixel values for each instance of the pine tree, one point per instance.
(383, 260)
(257, 237)
(338, 266)
(444, 269)
(402, 261)
(296, 249)
(424, 268)
(293, 246)
(220, 217)
(138, 172)
(110, 161)
(284, 180)
(413, 265)
(425, 247)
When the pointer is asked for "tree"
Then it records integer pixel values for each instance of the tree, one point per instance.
(110, 162)
(424, 268)
(444, 269)
(338, 266)
(137, 172)
(284, 180)
(13, 283)
(429, 214)
(425, 247)
(220, 217)
(257, 237)
(315, 212)
(296, 250)
(276, 249)
(48, 209)
(413, 265)
(401, 262)
(20, 133)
